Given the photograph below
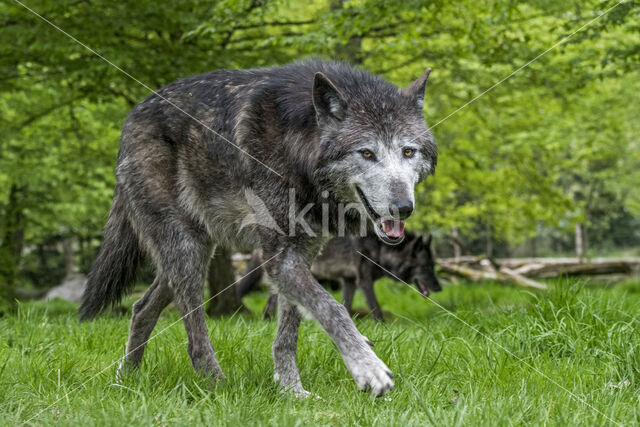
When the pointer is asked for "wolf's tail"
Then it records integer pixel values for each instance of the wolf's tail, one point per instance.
(114, 270)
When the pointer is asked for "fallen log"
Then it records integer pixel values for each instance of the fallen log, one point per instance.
(466, 272)
(515, 263)
(465, 259)
(25, 294)
(550, 267)
(589, 268)
(521, 280)
(504, 275)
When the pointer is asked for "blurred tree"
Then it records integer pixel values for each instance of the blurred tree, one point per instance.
(221, 276)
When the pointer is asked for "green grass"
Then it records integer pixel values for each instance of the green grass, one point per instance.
(54, 370)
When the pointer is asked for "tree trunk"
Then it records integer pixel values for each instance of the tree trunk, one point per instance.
(489, 242)
(534, 246)
(351, 51)
(70, 266)
(457, 250)
(585, 240)
(221, 275)
(580, 241)
(12, 228)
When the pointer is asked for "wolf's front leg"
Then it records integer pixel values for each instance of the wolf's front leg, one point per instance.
(285, 349)
(297, 285)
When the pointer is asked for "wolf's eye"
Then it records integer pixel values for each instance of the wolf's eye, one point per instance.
(409, 152)
(367, 154)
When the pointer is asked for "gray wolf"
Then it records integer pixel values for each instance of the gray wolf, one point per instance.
(349, 144)
(410, 261)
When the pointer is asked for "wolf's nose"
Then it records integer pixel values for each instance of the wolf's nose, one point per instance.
(402, 207)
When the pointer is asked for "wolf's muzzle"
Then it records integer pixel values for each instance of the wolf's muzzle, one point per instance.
(403, 208)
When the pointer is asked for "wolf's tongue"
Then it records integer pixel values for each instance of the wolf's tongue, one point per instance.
(393, 228)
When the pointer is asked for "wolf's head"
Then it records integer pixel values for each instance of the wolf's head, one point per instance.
(413, 262)
(375, 146)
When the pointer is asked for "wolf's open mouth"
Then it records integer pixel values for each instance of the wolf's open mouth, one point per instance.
(390, 231)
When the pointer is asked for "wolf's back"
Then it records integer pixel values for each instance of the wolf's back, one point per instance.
(114, 270)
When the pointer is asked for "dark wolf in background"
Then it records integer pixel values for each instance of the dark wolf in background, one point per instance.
(410, 261)
(335, 135)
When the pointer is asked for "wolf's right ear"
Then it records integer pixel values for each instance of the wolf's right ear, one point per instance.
(415, 91)
(329, 103)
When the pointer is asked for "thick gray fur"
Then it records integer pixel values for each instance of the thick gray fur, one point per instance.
(180, 185)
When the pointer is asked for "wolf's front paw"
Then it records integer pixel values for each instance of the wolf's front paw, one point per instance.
(371, 374)
(296, 390)
(291, 384)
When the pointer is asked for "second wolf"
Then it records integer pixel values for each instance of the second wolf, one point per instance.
(337, 137)
(358, 263)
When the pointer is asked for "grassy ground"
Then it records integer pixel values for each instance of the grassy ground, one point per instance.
(54, 370)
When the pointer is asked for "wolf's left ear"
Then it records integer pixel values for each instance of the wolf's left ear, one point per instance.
(327, 99)
(415, 91)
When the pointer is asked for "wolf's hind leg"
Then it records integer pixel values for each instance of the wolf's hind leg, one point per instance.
(270, 307)
(348, 291)
(372, 301)
(182, 253)
(189, 297)
(285, 349)
(365, 283)
(145, 316)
